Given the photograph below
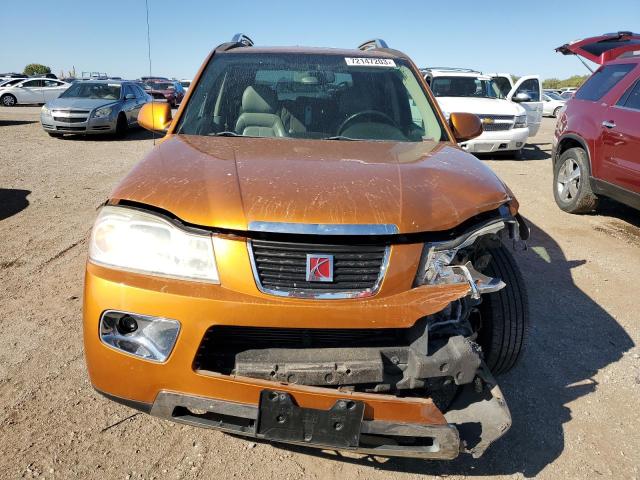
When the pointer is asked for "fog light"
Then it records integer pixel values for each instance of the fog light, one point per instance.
(126, 324)
(144, 336)
(519, 144)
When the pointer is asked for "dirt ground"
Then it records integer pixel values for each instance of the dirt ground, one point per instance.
(574, 397)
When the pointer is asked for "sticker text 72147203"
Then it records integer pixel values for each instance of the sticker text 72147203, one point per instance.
(370, 62)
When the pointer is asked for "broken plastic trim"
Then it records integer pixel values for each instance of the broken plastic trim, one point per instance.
(464, 229)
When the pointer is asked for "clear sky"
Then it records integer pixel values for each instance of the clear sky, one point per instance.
(516, 36)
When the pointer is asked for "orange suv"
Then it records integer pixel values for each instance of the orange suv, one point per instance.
(308, 257)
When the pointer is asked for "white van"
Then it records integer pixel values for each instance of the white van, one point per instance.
(510, 111)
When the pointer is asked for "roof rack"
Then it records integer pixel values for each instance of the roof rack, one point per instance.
(243, 39)
(373, 43)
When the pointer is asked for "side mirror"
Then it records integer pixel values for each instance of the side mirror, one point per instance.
(155, 116)
(465, 126)
(129, 96)
(521, 97)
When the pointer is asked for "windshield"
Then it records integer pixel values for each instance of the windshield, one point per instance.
(553, 95)
(105, 91)
(465, 87)
(312, 97)
(162, 85)
(8, 83)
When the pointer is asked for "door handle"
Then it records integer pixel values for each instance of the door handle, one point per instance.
(609, 124)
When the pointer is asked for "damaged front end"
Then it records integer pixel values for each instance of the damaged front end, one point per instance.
(440, 357)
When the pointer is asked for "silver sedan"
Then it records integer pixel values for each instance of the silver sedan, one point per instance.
(94, 106)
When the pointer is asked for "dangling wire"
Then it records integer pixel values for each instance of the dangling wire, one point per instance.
(153, 132)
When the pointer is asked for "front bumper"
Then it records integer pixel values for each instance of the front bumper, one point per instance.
(178, 391)
(86, 125)
(500, 141)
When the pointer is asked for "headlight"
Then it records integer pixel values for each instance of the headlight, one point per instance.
(102, 112)
(440, 264)
(521, 121)
(133, 240)
(45, 110)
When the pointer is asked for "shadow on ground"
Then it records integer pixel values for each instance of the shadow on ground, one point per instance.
(557, 368)
(531, 151)
(12, 201)
(9, 123)
(132, 135)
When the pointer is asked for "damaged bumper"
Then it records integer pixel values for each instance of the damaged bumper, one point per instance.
(478, 417)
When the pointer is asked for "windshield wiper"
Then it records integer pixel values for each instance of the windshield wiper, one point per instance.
(340, 137)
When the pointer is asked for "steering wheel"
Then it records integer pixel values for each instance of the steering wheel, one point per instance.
(373, 113)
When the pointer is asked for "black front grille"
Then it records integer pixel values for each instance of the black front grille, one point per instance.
(222, 343)
(71, 129)
(70, 119)
(281, 266)
(496, 127)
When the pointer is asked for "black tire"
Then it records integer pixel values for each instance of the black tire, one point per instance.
(8, 100)
(571, 185)
(55, 135)
(504, 315)
(121, 126)
(556, 112)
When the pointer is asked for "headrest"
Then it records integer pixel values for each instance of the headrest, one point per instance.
(259, 100)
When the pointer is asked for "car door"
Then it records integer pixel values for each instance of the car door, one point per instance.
(503, 81)
(129, 105)
(30, 91)
(621, 140)
(51, 89)
(140, 100)
(532, 86)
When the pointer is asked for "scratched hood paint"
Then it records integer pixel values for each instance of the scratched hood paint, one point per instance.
(229, 182)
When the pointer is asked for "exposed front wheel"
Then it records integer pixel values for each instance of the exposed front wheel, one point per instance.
(571, 187)
(8, 100)
(504, 315)
(121, 126)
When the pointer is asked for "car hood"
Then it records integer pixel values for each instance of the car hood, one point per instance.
(79, 103)
(229, 182)
(480, 106)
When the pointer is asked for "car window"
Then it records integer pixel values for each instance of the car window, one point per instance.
(530, 87)
(310, 96)
(139, 91)
(465, 87)
(96, 90)
(51, 83)
(602, 81)
(32, 83)
(631, 99)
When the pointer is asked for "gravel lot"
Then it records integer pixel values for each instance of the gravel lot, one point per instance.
(574, 397)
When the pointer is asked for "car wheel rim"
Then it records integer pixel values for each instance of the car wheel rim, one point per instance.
(7, 101)
(568, 183)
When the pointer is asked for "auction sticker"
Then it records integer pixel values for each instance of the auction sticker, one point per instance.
(370, 62)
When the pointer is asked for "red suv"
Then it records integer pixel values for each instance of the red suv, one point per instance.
(596, 150)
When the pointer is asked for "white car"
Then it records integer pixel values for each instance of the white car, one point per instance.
(510, 112)
(185, 82)
(552, 105)
(31, 90)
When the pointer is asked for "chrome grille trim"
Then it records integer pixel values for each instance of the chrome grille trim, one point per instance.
(320, 294)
